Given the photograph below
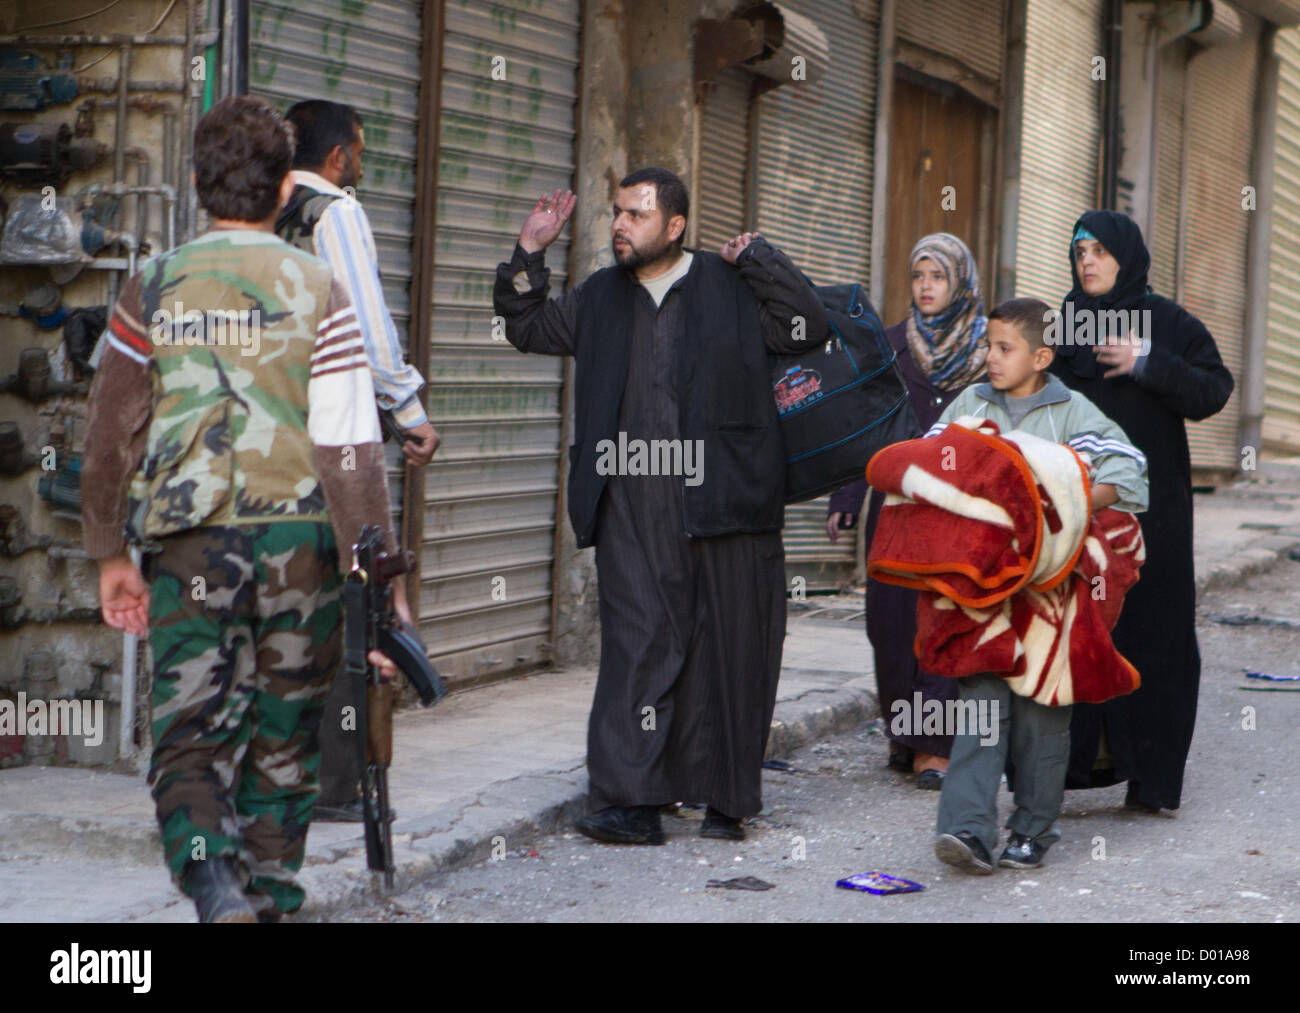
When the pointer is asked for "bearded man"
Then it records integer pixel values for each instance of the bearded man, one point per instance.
(676, 477)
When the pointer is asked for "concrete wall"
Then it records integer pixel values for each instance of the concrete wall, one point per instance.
(52, 643)
(637, 108)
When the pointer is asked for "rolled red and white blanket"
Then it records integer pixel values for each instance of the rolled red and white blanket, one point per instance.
(1017, 577)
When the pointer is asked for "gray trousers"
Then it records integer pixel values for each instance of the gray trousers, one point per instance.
(1038, 739)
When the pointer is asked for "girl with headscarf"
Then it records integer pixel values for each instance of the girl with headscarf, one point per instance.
(1149, 386)
(941, 349)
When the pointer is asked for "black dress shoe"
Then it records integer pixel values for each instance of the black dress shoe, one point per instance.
(931, 780)
(623, 824)
(965, 851)
(721, 826)
(1021, 852)
(900, 759)
(348, 812)
(217, 892)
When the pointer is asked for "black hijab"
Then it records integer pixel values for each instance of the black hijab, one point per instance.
(1123, 241)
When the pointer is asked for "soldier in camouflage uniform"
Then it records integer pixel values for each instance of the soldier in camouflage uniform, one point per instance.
(231, 408)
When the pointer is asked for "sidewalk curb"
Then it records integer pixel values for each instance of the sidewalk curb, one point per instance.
(1258, 556)
(538, 803)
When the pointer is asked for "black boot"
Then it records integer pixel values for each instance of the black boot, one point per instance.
(624, 824)
(721, 826)
(217, 892)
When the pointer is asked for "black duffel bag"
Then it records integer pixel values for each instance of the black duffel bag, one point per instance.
(840, 401)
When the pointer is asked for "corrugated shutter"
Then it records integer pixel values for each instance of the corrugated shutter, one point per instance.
(1281, 430)
(1163, 241)
(814, 201)
(966, 30)
(490, 496)
(1059, 141)
(1220, 119)
(723, 159)
(329, 49)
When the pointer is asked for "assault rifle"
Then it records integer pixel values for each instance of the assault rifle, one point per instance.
(369, 624)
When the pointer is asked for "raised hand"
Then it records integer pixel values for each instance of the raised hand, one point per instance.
(546, 220)
(732, 249)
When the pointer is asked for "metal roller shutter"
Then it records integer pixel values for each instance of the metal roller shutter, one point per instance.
(966, 30)
(490, 496)
(814, 163)
(723, 160)
(1059, 176)
(1219, 121)
(1281, 430)
(329, 49)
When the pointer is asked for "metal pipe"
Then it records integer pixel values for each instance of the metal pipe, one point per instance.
(110, 39)
(1110, 105)
(1012, 126)
(1254, 386)
(880, 172)
(142, 193)
(109, 85)
(119, 127)
(119, 150)
(1184, 172)
(169, 167)
(169, 198)
(189, 211)
(130, 650)
(66, 552)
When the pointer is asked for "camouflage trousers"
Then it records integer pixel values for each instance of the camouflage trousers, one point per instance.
(244, 623)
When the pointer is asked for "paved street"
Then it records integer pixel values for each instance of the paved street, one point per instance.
(1232, 852)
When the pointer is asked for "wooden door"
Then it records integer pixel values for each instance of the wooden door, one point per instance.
(937, 141)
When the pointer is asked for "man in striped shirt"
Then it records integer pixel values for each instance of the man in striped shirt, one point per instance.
(232, 434)
(323, 217)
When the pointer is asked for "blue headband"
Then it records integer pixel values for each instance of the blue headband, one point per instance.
(1082, 234)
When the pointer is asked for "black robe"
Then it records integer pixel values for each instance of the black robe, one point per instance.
(891, 610)
(691, 628)
(1149, 732)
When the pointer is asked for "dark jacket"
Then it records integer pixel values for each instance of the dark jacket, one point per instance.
(734, 316)
(928, 401)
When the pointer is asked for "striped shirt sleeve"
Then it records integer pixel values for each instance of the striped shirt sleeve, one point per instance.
(344, 427)
(344, 240)
(1115, 460)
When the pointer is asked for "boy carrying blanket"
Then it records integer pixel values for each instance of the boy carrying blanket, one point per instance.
(1014, 517)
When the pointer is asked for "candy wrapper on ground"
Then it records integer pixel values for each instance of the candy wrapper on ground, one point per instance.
(879, 883)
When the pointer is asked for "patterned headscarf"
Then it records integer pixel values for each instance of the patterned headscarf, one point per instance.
(949, 346)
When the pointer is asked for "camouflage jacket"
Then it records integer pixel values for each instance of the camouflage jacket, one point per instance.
(234, 390)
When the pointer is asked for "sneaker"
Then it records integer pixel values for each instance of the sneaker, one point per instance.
(931, 780)
(623, 824)
(1021, 852)
(964, 851)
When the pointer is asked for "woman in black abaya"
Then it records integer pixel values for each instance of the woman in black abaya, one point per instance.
(1150, 390)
